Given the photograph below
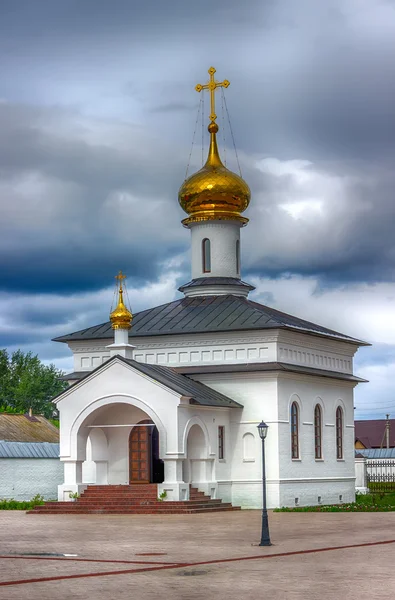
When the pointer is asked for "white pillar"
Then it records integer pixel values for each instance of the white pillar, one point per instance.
(360, 476)
(72, 480)
(173, 485)
(224, 239)
(73, 471)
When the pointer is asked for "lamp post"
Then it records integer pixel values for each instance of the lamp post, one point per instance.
(265, 536)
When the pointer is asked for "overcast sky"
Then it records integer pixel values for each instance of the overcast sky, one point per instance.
(97, 113)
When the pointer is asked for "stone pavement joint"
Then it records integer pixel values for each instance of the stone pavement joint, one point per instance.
(161, 567)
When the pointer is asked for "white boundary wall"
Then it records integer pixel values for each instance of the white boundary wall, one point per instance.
(23, 478)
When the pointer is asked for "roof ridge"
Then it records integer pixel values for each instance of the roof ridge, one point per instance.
(209, 314)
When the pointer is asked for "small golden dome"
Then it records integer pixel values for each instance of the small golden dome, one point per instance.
(214, 192)
(121, 317)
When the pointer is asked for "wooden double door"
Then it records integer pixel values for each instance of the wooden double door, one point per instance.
(144, 463)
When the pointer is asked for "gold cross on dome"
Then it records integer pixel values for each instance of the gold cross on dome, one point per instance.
(212, 85)
(120, 277)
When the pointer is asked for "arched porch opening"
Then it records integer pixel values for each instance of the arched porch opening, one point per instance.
(198, 468)
(103, 441)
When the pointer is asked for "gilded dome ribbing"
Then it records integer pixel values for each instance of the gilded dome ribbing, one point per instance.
(121, 317)
(214, 192)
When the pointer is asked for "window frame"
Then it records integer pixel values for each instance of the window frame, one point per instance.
(318, 432)
(238, 257)
(294, 418)
(206, 255)
(221, 442)
(339, 433)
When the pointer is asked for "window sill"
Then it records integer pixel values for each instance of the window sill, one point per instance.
(341, 460)
(222, 460)
(296, 460)
(319, 460)
(248, 460)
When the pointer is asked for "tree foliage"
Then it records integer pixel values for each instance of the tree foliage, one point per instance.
(25, 382)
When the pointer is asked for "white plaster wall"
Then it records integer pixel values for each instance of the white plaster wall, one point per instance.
(307, 478)
(223, 236)
(23, 478)
(316, 352)
(199, 349)
(209, 419)
(243, 478)
(226, 348)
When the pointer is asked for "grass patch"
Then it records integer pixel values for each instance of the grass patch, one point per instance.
(12, 504)
(363, 503)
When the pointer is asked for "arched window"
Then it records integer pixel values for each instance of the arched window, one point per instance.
(206, 255)
(238, 256)
(318, 431)
(295, 430)
(339, 432)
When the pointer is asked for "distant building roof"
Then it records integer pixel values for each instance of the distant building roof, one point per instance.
(28, 450)
(204, 314)
(375, 453)
(371, 432)
(22, 428)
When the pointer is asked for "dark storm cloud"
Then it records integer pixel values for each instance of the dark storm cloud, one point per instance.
(72, 211)
(97, 109)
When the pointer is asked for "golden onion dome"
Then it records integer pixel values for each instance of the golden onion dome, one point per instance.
(214, 192)
(121, 317)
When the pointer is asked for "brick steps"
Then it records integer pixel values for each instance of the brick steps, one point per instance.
(136, 511)
(130, 500)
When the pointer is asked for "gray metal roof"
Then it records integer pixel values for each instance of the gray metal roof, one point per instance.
(28, 450)
(376, 452)
(205, 314)
(183, 385)
(74, 376)
(267, 367)
(207, 281)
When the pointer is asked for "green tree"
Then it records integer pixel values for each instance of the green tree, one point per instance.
(25, 382)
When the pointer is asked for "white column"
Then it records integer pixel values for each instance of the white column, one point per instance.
(223, 236)
(73, 471)
(173, 485)
(360, 476)
(72, 480)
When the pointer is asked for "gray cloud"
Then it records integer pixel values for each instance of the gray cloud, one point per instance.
(97, 115)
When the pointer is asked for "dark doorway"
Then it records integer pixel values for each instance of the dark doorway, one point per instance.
(145, 466)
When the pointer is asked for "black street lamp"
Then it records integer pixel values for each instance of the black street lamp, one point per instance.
(265, 536)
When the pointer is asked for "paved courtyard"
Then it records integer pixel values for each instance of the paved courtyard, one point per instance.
(325, 556)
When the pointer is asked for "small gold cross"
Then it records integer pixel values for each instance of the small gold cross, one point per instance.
(120, 277)
(212, 85)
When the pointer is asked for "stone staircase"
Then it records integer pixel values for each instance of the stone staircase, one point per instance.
(132, 500)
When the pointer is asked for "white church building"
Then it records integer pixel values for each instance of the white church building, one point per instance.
(173, 395)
